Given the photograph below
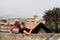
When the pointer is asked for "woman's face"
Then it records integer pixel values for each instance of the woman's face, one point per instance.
(22, 26)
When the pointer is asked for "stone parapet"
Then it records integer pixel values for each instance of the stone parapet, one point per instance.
(40, 36)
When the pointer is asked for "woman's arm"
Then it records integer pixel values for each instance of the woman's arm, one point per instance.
(27, 33)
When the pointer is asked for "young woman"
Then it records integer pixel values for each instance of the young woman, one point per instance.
(35, 30)
(21, 29)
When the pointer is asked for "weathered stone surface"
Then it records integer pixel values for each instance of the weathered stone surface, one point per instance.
(40, 36)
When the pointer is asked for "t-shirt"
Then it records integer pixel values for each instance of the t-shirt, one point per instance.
(26, 29)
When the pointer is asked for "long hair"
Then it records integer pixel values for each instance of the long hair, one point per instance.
(17, 24)
(37, 28)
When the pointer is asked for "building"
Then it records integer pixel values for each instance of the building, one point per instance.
(32, 22)
(9, 24)
(3, 22)
(10, 21)
(42, 21)
(18, 19)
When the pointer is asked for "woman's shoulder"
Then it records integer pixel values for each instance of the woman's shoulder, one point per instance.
(25, 28)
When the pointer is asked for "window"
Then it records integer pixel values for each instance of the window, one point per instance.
(32, 21)
(28, 21)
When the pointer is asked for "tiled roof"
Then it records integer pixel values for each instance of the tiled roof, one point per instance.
(30, 18)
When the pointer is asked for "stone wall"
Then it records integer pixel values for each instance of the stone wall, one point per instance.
(40, 36)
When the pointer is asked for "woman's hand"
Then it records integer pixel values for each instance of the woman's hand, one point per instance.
(27, 33)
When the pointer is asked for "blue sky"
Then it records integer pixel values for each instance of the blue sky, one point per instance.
(26, 8)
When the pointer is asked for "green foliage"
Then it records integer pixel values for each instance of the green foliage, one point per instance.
(46, 23)
(59, 30)
(53, 16)
(56, 30)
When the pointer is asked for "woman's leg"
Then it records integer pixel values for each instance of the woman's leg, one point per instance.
(45, 28)
(39, 26)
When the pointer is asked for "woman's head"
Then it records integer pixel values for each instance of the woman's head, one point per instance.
(21, 26)
(17, 24)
